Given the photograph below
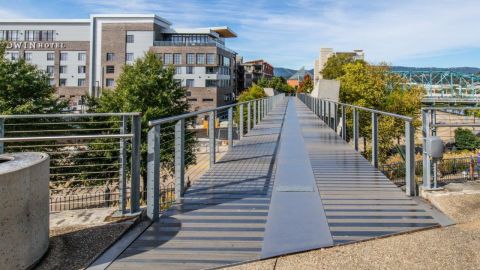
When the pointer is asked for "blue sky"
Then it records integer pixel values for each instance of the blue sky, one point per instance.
(440, 33)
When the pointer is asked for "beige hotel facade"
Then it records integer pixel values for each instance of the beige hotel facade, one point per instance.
(84, 56)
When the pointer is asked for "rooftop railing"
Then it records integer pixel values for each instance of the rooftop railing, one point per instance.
(177, 133)
(334, 114)
(193, 44)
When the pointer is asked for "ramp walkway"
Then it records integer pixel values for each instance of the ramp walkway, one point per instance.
(289, 185)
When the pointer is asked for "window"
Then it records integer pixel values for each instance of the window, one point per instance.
(50, 56)
(50, 70)
(63, 69)
(207, 99)
(110, 69)
(62, 82)
(14, 56)
(177, 58)
(200, 59)
(28, 56)
(210, 59)
(167, 59)
(190, 70)
(110, 82)
(178, 70)
(82, 69)
(177, 82)
(189, 94)
(226, 61)
(63, 56)
(210, 70)
(191, 99)
(130, 39)
(52, 82)
(110, 56)
(190, 82)
(11, 35)
(39, 35)
(190, 59)
(210, 83)
(82, 56)
(129, 57)
(81, 82)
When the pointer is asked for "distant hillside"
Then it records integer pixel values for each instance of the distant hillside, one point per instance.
(283, 72)
(286, 72)
(468, 70)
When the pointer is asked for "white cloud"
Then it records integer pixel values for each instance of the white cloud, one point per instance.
(290, 33)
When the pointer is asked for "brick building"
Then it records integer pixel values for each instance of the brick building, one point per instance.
(84, 56)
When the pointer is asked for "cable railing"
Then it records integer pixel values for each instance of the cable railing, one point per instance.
(338, 115)
(181, 148)
(94, 157)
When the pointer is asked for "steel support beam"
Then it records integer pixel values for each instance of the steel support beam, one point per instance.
(179, 160)
(211, 136)
(374, 140)
(153, 173)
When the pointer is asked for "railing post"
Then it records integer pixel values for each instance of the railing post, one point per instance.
(329, 114)
(355, 129)
(135, 181)
(179, 160)
(122, 174)
(2, 134)
(427, 169)
(410, 187)
(241, 122)
(320, 108)
(153, 173)
(249, 109)
(230, 128)
(254, 113)
(211, 135)
(335, 116)
(374, 140)
(344, 123)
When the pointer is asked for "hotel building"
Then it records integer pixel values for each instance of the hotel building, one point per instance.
(84, 56)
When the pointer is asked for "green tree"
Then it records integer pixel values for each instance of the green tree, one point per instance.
(333, 68)
(148, 87)
(252, 93)
(24, 89)
(277, 83)
(371, 86)
(466, 140)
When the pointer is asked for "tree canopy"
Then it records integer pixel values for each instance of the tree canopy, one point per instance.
(306, 86)
(24, 89)
(374, 87)
(148, 87)
(333, 68)
(277, 83)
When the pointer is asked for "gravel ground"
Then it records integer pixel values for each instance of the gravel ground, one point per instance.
(454, 247)
(76, 246)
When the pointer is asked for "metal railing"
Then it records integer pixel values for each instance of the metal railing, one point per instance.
(90, 156)
(328, 111)
(173, 133)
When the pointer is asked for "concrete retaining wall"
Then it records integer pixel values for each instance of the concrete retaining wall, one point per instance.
(24, 215)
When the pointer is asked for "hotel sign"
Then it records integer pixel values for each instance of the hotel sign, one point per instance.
(35, 45)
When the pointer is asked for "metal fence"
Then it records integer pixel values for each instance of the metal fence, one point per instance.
(335, 115)
(94, 157)
(452, 170)
(176, 133)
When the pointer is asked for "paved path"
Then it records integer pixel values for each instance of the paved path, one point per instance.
(230, 216)
(222, 219)
(359, 201)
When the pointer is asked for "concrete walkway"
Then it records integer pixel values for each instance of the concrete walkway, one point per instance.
(324, 194)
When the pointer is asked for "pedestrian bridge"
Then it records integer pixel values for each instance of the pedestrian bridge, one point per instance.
(291, 184)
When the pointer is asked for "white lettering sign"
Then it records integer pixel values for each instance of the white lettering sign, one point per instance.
(35, 45)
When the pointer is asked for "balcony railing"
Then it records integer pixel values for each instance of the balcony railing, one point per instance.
(193, 44)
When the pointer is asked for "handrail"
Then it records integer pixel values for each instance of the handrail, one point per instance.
(60, 115)
(54, 138)
(323, 109)
(160, 121)
(403, 117)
